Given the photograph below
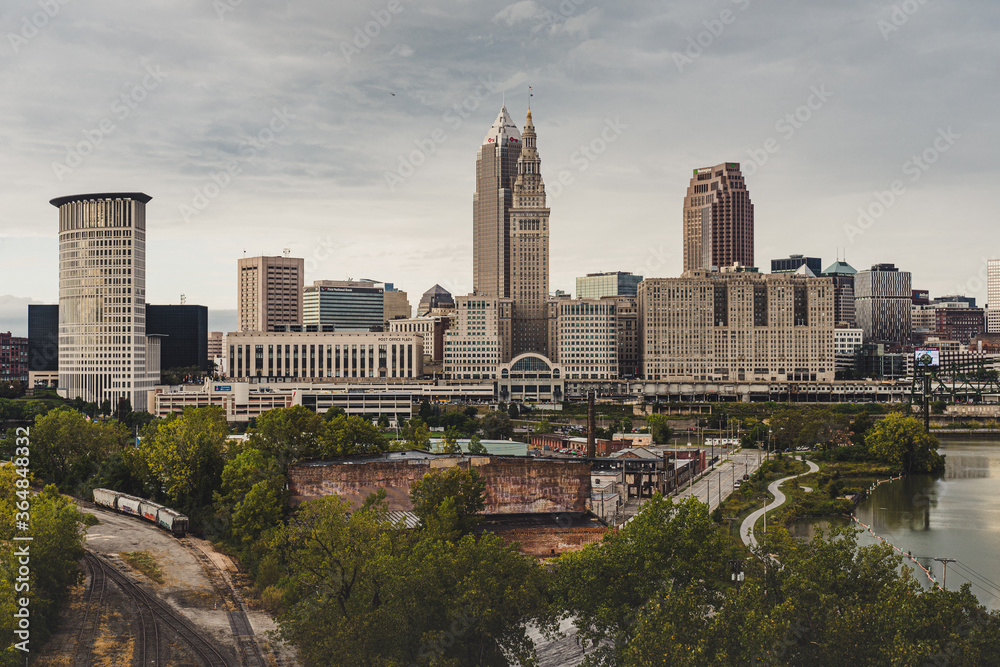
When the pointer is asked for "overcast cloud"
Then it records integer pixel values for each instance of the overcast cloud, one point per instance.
(348, 134)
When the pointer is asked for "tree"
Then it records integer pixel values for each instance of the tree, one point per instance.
(425, 412)
(383, 422)
(512, 411)
(251, 500)
(184, 458)
(666, 550)
(66, 448)
(544, 427)
(465, 488)
(416, 434)
(496, 426)
(476, 446)
(470, 411)
(451, 445)
(351, 436)
(659, 428)
(52, 558)
(900, 440)
(361, 590)
(288, 435)
(11, 389)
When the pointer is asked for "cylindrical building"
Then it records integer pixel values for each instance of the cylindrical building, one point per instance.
(103, 348)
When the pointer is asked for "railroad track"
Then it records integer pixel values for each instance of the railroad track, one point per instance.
(153, 613)
(91, 615)
(239, 623)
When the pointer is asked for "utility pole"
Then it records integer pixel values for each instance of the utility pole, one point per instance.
(945, 561)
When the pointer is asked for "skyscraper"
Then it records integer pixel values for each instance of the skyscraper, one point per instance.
(529, 250)
(718, 219)
(842, 274)
(496, 171)
(269, 292)
(104, 352)
(993, 296)
(882, 304)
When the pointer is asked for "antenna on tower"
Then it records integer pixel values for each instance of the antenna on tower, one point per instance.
(530, 95)
(183, 299)
(286, 252)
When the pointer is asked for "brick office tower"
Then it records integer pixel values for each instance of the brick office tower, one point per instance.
(529, 244)
(718, 219)
(269, 292)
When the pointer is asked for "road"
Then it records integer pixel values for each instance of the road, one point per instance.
(746, 530)
(707, 487)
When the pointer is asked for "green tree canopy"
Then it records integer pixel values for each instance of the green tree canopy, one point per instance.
(287, 435)
(900, 440)
(67, 448)
(659, 428)
(351, 436)
(496, 426)
(464, 487)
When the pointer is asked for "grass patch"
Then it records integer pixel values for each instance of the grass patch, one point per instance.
(144, 562)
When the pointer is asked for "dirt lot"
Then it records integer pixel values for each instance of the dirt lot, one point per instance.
(186, 587)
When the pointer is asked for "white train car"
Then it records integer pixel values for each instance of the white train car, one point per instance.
(129, 504)
(106, 498)
(173, 521)
(148, 509)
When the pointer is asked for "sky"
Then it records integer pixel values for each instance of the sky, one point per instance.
(347, 133)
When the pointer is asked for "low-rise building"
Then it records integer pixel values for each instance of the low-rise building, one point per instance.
(295, 356)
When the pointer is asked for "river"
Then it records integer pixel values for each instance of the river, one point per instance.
(956, 515)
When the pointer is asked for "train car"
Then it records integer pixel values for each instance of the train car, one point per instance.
(148, 510)
(106, 498)
(129, 504)
(173, 521)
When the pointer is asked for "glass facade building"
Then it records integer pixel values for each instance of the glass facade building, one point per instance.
(345, 305)
(600, 285)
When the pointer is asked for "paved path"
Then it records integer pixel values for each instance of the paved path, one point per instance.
(746, 530)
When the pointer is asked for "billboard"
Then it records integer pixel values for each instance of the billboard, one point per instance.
(927, 358)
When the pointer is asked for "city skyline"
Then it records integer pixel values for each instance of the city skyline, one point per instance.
(312, 155)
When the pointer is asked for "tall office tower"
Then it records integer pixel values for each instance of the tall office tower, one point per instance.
(842, 274)
(104, 352)
(718, 219)
(993, 296)
(586, 341)
(269, 292)
(613, 283)
(529, 250)
(882, 304)
(434, 301)
(496, 171)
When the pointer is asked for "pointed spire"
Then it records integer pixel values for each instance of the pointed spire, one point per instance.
(503, 130)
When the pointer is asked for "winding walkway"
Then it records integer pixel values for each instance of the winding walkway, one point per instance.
(746, 530)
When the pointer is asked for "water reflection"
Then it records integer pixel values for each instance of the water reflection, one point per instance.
(955, 515)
